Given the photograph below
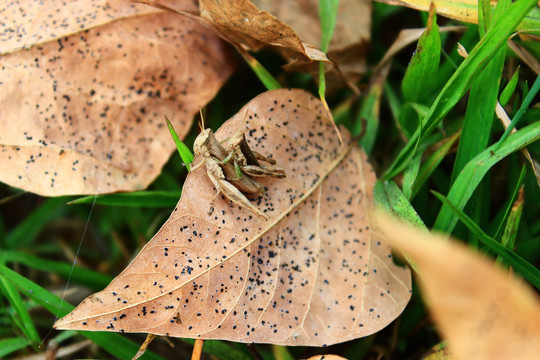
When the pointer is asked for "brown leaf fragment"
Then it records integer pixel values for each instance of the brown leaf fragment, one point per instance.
(350, 41)
(482, 311)
(242, 22)
(82, 113)
(313, 274)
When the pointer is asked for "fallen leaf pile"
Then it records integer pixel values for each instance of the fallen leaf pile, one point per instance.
(85, 86)
(483, 312)
(314, 274)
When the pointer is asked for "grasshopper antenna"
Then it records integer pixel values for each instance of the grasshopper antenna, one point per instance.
(201, 123)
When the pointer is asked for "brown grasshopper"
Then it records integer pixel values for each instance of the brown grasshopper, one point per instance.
(231, 171)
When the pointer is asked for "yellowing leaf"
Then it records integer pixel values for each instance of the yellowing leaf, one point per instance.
(483, 312)
(313, 274)
(85, 87)
(463, 10)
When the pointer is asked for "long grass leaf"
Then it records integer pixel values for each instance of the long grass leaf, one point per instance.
(474, 172)
(480, 113)
(460, 82)
(81, 275)
(524, 106)
(264, 75)
(508, 239)
(21, 315)
(8, 346)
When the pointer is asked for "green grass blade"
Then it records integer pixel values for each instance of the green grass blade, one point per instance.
(501, 219)
(183, 150)
(368, 116)
(432, 162)
(264, 75)
(388, 196)
(480, 112)
(509, 89)
(113, 343)
(531, 22)
(420, 77)
(468, 180)
(512, 225)
(84, 276)
(460, 82)
(499, 11)
(484, 15)
(25, 233)
(394, 102)
(281, 353)
(410, 117)
(327, 15)
(524, 106)
(21, 316)
(528, 271)
(8, 346)
(151, 199)
(409, 176)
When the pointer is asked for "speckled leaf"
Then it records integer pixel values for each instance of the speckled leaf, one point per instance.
(85, 86)
(313, 274)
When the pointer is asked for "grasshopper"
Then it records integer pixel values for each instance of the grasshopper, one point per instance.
(246, 161)
(231, 171)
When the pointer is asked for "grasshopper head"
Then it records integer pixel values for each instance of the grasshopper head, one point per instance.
(201, 142)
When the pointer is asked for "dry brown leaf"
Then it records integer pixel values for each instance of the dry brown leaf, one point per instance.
(525, 56)
(243, 22)
(350, 40)
(482, 311)
(314, 274)
(85, 87)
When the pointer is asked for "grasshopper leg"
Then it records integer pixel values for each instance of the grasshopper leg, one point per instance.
(262, 171)
(215, 173)
(263, 158)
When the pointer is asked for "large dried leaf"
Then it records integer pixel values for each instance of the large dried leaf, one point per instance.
(313, 274)
(85, 87)
(243, 22)
(351, 35)
(483, 312)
